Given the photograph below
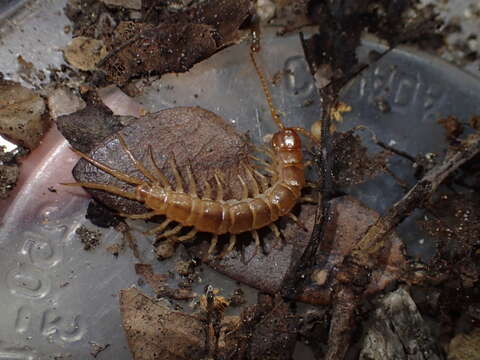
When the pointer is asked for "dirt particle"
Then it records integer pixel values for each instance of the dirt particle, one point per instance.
(89, 238)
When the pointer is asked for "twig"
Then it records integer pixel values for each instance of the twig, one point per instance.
(372, 242)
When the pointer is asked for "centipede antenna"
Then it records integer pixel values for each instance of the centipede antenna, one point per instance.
(266, 91)
(307, 133)
(137, 163)
(109, 188)
(115, 173)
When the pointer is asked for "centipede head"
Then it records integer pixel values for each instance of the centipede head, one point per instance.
(286, 140)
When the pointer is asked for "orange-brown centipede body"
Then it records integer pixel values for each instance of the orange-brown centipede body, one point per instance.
(259, 206)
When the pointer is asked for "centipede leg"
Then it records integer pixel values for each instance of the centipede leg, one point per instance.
(159, 228)
(308, 199)
(254, 182)
(213, 244)
(176, 173)
(108, 188)
(312, 185)
(256, 237)
(192, 186)
(231, 243)
(135, 162)
(275, 230)
(244, 187)
(160, 176)
(263, 180)
(119, 175)
(207, 192)
(297, 221)
(187, 236)
(171, 232)
(219, 187)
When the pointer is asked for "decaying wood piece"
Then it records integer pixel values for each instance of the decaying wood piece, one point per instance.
(398, 331)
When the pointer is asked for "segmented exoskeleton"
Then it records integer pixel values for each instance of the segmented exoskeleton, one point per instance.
(259, 206)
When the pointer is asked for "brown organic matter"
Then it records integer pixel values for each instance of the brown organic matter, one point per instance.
(23, 116)
(173, 41)
(212, 145)
(154, 331)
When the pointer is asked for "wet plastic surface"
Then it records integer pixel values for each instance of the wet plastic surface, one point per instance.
(57, 299)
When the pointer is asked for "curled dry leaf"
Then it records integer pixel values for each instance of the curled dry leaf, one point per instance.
(90, 126)
(190, 135)
(84, 53)
(23, 118)
(175, 41)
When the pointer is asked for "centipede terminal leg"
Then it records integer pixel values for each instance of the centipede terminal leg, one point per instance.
(108, 188)
(115, 173)
(143, 216)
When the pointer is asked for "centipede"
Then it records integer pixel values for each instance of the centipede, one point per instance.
(261, 205)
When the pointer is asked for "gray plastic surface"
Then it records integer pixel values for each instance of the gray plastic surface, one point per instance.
(57, 299)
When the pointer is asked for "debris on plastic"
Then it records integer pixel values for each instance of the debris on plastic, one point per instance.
(62, 101)
(89, 238)
(158, 283)
(23, 116)
(84, 53)
(353, 164)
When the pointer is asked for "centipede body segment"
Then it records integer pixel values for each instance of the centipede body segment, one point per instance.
(261, 204)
